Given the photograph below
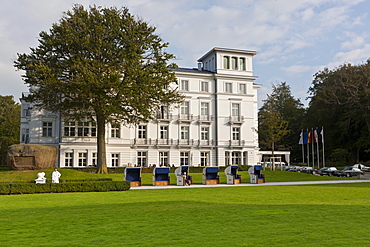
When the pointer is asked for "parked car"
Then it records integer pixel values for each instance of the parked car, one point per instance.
(309, 170)
(348, 171)
(362, 167)
(329, 171)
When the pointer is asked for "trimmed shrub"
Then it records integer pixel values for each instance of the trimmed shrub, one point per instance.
(92, 186)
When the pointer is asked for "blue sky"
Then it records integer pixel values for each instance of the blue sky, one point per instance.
(294, 38)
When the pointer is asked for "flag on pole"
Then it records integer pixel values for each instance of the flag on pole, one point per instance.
(309, 137)
(315, 136)
(322, 135)
(301, 138)
(305, 137)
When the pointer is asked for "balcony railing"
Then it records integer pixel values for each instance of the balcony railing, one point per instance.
(205, 118)
(236, 143)
(236, 119)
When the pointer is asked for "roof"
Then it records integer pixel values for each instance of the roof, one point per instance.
(193, 70)
(227, 50)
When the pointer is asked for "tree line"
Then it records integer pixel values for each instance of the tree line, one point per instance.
(339, 101)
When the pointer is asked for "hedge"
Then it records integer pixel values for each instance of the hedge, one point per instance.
(32, 188)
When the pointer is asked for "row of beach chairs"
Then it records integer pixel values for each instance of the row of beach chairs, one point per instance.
(161, 175)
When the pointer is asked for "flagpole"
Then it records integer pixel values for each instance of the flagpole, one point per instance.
(301, 142)
(313, 149)
(308, 149)
(317, 147)
(323, 146)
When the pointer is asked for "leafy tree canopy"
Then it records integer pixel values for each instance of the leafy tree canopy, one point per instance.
(10, 113)
(101, 63)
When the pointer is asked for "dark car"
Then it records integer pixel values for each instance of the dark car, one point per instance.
(348, 171)
(328, 171)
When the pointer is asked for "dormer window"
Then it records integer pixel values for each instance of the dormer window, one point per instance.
(242, 63)
(226, 62)
(234, 63)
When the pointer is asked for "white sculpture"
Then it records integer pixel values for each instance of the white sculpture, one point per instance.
(40, 178)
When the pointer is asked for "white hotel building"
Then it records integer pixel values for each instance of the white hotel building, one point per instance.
(215, 125)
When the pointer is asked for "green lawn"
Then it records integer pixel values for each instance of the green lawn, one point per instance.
(321, 215)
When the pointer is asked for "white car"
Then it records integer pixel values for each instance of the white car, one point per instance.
(361, 167)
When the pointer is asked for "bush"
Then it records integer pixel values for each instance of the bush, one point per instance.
(91, 186)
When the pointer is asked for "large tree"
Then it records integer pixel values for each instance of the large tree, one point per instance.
(340, 101)
(10, 113)
(289, 109)
(100, 63)
(272, 127)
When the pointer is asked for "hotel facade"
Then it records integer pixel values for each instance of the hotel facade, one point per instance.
(216, 125)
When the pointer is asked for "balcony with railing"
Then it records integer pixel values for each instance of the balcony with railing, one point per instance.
(205, 143)
(141, 142)
(164, 117)
(236, 143)
(202, 119)
(185, 118)
(236, 119)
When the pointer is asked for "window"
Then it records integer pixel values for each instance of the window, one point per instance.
(163, 158)
(204, 108)
(184, 135)
(184, 158)
(115, 159)
(204, 133)
(234, 63)
(25, 136)
(184, 108)
(82, 159)
(204, 86)
(228, 87)
(93, 128)
(68, 159)
(26, 112)
(235, 109)
(47, 129)
(163, 114)
(235, 158)
(94, 159)
(141, 158)
(69, 129)
(242, 63)
(204, 158)
(236, 133)
(184, 85)
(163, 132)
(242, 88)
(226, 62)
(81, 129)
(141, 132)
(115, 130)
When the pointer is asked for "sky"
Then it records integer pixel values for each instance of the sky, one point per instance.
(294, 38)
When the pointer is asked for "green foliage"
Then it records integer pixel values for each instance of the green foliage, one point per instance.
(31, 188)
(102, 64)
(280, 119)
(10, 113)
(340, 102)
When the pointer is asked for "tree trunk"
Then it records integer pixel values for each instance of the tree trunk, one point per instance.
(102, 157)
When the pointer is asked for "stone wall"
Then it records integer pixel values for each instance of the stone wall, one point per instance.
(31, 156)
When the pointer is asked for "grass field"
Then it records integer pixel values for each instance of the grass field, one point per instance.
(320, 215)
